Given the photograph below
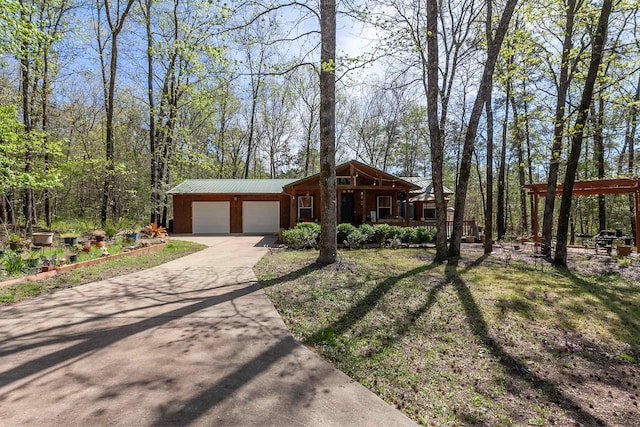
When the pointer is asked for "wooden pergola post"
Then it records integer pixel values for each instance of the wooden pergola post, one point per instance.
(536, 237)
(638, 220)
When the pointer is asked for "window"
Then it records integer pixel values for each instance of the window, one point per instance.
(428, 212)
(305, 208)
(384, 207)
(343, 180)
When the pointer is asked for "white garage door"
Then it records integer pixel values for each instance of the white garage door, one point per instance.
(260, 217)
(210, 217)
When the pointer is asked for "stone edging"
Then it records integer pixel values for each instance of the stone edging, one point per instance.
(69, 267)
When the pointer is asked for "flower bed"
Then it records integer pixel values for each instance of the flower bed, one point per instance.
(69, 267)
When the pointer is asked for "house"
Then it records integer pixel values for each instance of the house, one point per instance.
(258, 206)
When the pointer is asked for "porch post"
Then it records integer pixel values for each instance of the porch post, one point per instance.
(638, 220)
(293, 210)
(406, 209)
(535, 217)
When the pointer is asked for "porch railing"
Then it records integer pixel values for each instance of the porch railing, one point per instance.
(469, 227)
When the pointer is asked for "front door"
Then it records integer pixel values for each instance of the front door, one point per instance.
(346, 208)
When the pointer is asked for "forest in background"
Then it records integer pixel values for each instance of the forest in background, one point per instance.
(106, 105)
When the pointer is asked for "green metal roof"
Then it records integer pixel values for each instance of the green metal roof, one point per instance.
(424, 184)
(231, 186)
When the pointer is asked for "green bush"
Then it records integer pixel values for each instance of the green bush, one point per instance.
(395, 232)
(309, 225)
(344, 230)
(355, 239)
(409, 235)
(304, 236)
(367, 231)
(423, 235)
(13, 262)
(380, 232)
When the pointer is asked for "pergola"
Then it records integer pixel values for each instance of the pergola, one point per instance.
(589, 188)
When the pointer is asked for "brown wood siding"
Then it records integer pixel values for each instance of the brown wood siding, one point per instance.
(182, 221)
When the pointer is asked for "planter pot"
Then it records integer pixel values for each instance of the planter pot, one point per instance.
(73, 258)
(101, 243)
(99, 238)
(470, 239)
(623, 250)
(132, 236)
(47, 267)
(70, 241)
(42, 239)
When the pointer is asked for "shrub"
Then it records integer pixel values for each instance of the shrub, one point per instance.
(309, 225)
(380, 232)
(393, 243)
(355, 239)
(344, 230)
(301, 238)
(367, 231)
(409, 235)
(305, 235)
(423, 235)
(13, 262)
(395, 232)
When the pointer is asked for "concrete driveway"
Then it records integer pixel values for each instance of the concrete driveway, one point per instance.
(192, 342)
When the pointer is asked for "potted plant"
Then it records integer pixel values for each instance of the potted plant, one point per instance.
(98, 235)
(132, 235)
(42, 239)
(18, 243)
(70, 239)
(75, 250)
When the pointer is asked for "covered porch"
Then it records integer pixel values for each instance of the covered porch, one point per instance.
(364, 195)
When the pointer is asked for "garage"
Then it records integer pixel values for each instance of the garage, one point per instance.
(210, 217)
(260, 217)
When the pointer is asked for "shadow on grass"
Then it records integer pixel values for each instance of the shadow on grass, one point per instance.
(302, 271)
(628, 327)
(368, 302)
(512, 365)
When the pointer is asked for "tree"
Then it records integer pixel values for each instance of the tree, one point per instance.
(493, 51)
(599, 40)
(115, 17)
(563, 83)
(328, 243)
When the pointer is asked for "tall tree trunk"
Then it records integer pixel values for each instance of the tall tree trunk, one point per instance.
(436, 136)
(25, 82)
(501, 215)
(630, 138)
(45, 130)
(518, 140)
(115, 27)
(146, 7)
(599, 39)
(488, 214)
(527, 137)
(472, 130)
(559, 125)
(328, 198)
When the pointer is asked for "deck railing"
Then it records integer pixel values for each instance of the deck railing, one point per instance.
(469, 227)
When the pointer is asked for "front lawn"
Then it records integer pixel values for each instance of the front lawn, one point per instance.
(484, 343)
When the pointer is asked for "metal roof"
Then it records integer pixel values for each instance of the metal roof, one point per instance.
(231, 186)
(425, 185)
